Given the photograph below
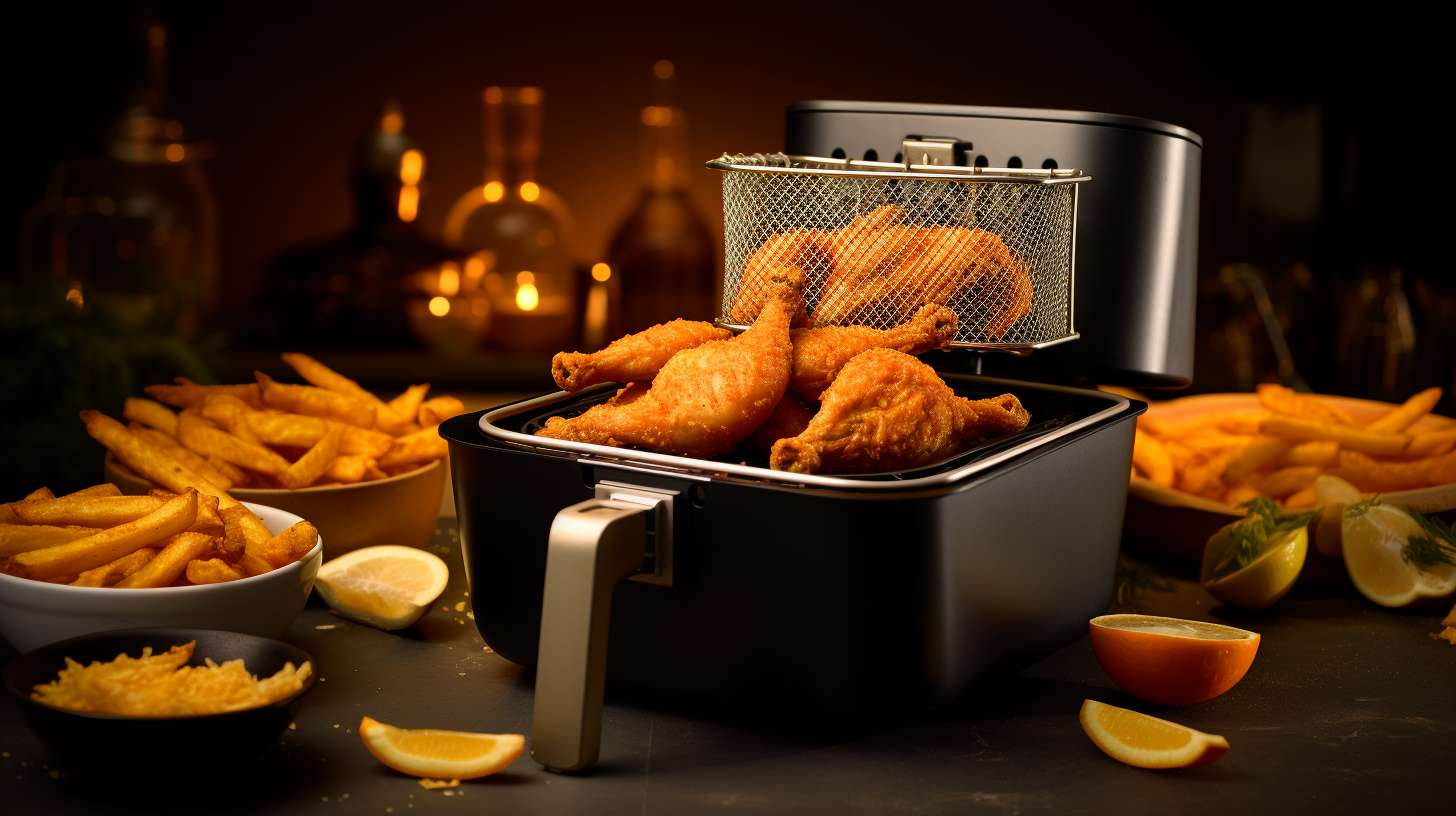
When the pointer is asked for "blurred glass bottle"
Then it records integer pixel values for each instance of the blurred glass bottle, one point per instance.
(134, 229)
(514, 232)
(662, 253)
(354, 289)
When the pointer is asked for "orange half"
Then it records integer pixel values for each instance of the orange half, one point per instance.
(1171, 660)
(1148, 742)
(433, 754)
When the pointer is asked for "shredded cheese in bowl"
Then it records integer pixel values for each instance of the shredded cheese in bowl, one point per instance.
(162, 685)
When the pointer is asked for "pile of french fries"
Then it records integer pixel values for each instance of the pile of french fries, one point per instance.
(1279, 450)
(267, 434)
(97, 537)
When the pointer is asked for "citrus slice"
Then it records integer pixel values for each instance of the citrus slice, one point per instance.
(1331, 494)
(432, 754)
(1268, 577)
(1148, 742)
(1171, 660)
(387, 586)
(1374, 539)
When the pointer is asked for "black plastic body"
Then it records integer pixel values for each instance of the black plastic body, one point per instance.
(157, 742)
(1137, 220)
(824, 603)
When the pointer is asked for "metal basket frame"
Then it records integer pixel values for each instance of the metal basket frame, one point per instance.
(880, 176)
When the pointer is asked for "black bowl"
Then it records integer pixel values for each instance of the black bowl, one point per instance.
(182, 740)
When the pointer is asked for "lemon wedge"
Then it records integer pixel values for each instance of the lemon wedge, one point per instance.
(1375, 540)
(388, 586)
(1268, 578)
(440, 754)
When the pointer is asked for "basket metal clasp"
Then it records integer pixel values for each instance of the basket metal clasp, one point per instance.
(928, 151)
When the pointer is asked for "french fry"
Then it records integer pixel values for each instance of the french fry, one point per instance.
(1357, 439)
(228, 412)
(106, 546)
(19, 538)
(438, 409)
(349, 469)
(108, 574)
(208, 440)
(151, 414)
(104, 489)
(1443, 469)
(1150, 457)
(315, 372)
(146, 459)
(1253, 457)
(313, 401)
(407, 404)
(1240, 493)
(1282, 400)
(1320, 454)
(39, 494)
(192, 461)
(209, 515)
(187, 394)
(372, 471)
(1372, 476)
(1285, 481)
(212, 571)
(1398, 419)
(311, 466)
(87, 511)
(1432, 443)
(425, 445)
(299, 431)
(1300, 499)
(169, 563)
(288, 546)
(1243, 423)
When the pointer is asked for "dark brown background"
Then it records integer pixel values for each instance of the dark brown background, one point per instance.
(283, 89)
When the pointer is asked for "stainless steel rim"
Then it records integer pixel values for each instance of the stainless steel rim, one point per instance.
(859, 168)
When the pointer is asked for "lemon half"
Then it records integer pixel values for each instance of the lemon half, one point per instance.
(1374, 546)
(1266, 579)
(388, 586)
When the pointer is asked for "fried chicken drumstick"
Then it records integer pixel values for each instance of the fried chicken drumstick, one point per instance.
(888, 411)
(633, 358)
(705, 399)
(820, 353)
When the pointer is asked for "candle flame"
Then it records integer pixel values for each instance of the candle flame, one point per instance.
(439, 307)
(527, 298)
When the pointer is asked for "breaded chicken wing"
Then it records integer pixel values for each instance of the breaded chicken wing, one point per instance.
(798, 248)
(707, 399)
(888, 411)
(820, 353)
(790, 417)
(633, 358)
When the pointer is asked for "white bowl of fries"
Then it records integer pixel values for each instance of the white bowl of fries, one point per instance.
(159, 578)
(1197, 458)
(365, 470)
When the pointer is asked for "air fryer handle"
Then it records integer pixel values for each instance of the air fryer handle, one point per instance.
(593, 546)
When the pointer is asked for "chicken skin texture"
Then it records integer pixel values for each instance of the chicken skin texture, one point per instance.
(888, 411)
(790, 417)
(820, 353)
(706, 399)
(633, 358)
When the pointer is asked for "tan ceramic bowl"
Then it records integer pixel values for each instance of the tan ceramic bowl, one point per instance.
(401, 509)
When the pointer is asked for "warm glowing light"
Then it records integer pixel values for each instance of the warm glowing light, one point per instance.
(411, 167)
(409, 202)
(663, 69)
(656, 116)
(74, 297)
(530, 191)
(523, 278)
(475, 267)
(494, 95)
(494, 191)
(172, 130)
(601, 272)
(392, 122)
(439, 307)
(478, 307)
(527, 298)
(175, 152)
(449, 279)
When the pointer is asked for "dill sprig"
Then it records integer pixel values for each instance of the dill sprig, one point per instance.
(1436, 547)
(1251, 534)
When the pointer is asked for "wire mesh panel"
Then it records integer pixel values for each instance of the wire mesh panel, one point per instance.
(877, 242)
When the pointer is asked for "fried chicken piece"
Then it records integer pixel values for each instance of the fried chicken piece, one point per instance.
(633, 358)
(706, 399)
(790, 417)
(820, 353)
(888, 411)
(906, 267)
(798, 248)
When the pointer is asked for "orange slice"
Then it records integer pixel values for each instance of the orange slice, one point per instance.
(432, 754)
(1148, 742)
(1171, 660)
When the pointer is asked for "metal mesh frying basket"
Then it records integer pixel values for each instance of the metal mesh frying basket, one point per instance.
(877, 241)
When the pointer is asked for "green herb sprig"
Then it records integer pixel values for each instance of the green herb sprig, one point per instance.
(1436, 547)
(1253, 532)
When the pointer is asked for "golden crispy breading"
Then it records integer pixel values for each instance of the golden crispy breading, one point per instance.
(888, 411)
(633, 358)
(820, 353)
(706, 399)
(790, 417)
(797, 248)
